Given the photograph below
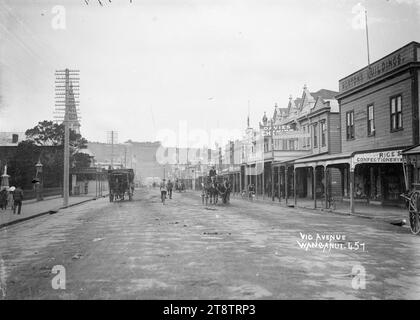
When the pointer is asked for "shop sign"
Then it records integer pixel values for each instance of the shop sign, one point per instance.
(377, 69)
(292, 135)
(234, 168)
(277, 130)
(383, 157)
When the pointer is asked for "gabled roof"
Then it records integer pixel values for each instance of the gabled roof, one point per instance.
(324, 94)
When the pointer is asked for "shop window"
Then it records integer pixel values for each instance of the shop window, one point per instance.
(308, 139)
(350, 125)
(323, 133)
(315, 135)
(396, 113)
(371, 120)
(292, 144)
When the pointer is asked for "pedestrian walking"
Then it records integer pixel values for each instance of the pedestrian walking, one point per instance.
(251, 191)
(163, 190)
(3, 198)
(18, 198)
(10, 201)
(170, 187)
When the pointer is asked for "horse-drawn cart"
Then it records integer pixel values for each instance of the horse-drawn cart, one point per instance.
(411, 168)
(121, 183)
(213, 187)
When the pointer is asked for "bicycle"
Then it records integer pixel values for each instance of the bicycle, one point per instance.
(163, 196)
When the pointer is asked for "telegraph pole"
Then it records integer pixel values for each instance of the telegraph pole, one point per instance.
(112, 138)
(66, 155)
(112, 149)
(125, 156)
(272, 161)
(66, 95)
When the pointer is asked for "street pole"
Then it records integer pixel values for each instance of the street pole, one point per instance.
(125, 157)
(66, 101)
(66, 146)
(112, 149)
(272, 161)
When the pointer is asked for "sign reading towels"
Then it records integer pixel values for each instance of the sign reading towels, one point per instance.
(394, 156)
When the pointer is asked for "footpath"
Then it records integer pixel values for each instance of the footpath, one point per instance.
(388, 214)
(33, 208)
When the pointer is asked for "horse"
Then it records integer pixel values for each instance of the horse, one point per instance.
(225, 189)
(221, 188)
(228, 188)
(213, 191)
(205, 194)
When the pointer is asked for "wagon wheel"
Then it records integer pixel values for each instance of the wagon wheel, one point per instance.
(414, 206)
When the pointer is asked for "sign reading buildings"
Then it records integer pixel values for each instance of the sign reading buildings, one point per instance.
(375, 70)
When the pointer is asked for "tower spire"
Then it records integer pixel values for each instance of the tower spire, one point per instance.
(248, 125)
(73, 117)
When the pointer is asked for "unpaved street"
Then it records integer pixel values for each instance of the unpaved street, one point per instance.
(183, 250)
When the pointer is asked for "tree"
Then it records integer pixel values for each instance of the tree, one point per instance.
(21, 166)
(81, 160)
(48, 133)
(45, 142)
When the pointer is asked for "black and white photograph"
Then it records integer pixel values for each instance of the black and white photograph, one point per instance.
(227, 151)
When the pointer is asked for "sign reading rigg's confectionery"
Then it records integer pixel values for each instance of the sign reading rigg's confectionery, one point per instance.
(378, 157)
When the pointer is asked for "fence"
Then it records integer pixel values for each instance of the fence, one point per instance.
(47, 192)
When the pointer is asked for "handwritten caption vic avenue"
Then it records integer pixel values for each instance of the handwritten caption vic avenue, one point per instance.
(328, 242)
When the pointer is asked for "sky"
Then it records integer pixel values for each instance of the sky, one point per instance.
(155, 67)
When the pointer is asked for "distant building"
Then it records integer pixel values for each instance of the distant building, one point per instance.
(11, 138)
(140, 156)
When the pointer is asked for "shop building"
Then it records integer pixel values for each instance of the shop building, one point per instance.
(315, 121)
(379, 108)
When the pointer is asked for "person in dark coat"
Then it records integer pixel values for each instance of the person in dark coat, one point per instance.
(18, 198)
(212, 172)
(3, 199)
(170, 186)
